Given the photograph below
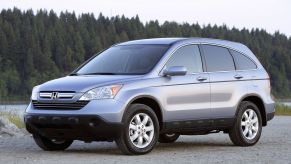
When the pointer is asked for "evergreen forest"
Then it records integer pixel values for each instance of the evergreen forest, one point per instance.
(37, 47)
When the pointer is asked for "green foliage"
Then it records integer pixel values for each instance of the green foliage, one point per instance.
(282, 109)
(36, 47)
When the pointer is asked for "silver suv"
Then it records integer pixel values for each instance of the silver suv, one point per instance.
(139, 92)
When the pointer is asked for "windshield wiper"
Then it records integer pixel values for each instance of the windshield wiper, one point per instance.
(73, 74)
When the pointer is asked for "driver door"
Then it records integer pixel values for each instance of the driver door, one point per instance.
(187, 98)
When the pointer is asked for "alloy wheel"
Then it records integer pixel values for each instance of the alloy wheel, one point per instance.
(249, 124)
(141, 130)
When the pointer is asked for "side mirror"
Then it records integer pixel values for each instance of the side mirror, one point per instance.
(175, 71)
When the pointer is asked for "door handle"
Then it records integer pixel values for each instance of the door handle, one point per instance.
(237, 76)
(200, 78)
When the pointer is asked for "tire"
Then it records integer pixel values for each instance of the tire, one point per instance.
(168, 138)
(133, 130)
(50, 145)
(240, 133)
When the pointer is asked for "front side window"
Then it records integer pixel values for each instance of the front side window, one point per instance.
(125, 60)
(187, 56)
(218, 58)
(242, 62)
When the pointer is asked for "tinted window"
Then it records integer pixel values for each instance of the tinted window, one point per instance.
(242, 62)
(129, 59)
(187, 56)
(217, 58)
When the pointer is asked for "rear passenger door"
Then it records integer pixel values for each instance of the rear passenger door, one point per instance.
(225, 84)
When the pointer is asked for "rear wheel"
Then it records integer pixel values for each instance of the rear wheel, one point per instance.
(51, 144)
(248, 125)
(168, 137)
(140, 132)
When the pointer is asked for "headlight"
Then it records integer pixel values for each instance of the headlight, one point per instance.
(107, 92)
(34, 93)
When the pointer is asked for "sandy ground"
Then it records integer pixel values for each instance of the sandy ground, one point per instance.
(273, 147)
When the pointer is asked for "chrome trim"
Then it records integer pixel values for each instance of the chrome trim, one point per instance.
(60, 95)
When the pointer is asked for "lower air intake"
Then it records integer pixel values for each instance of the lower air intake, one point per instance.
(60, 106)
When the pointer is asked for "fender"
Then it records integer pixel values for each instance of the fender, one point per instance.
(263, 113)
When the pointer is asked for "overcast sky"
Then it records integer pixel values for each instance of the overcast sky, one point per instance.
(271, 15)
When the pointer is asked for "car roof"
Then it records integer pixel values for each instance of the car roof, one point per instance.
(176, 42)
(180, 41)
(170, 41)
(165, 41)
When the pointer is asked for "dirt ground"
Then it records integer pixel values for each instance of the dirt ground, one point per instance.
(273, 147)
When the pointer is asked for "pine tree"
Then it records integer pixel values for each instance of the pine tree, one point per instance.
(36, 47)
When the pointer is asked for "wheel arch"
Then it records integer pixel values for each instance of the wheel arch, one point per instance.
(150, 101)
(258, 101)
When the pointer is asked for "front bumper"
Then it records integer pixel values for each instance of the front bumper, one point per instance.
(73, 127)
(110, 110)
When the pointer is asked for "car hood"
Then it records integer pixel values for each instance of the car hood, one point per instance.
(84, 83)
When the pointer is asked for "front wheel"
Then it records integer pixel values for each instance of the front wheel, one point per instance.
(140, 132)
(247, 128)
(51, 144)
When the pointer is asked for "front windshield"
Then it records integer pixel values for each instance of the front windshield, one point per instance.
(125, 60)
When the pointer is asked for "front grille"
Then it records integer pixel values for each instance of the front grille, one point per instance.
(58, 95)
(60, 106)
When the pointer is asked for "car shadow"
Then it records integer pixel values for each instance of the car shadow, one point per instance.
(163, 147)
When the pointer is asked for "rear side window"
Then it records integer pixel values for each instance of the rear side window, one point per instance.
(187, 56)
(242, 62)
(218, 58)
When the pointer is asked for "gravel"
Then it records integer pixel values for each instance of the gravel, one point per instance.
(273, 147)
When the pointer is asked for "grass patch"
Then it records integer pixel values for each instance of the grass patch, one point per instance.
(13, 118)
(282, 109)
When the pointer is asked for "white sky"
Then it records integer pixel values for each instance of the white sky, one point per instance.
(271, 15)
